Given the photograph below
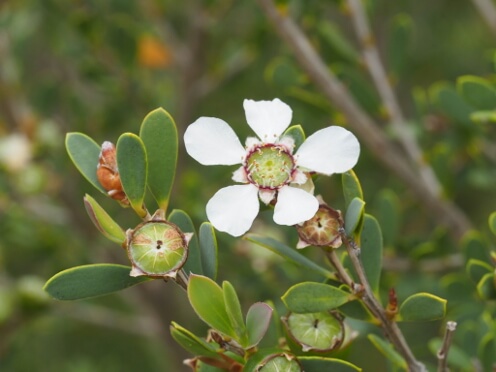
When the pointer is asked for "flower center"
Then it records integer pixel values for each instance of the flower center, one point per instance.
(269, 166)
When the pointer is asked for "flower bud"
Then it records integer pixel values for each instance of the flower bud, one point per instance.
(108, 174)
(322, 230)
(319, 332)
(157, 248)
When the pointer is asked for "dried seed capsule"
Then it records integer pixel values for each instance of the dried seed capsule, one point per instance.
(108, 174)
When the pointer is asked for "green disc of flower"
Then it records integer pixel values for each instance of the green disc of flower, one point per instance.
(157, 248)
(269, 166)
(316, 331)
(276, 363)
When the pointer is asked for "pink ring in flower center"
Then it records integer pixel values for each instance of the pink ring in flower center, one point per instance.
(269, 166)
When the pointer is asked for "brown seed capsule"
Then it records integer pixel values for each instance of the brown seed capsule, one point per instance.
(108, 174)
(322, 229)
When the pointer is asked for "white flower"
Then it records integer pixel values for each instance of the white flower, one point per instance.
(269, 169)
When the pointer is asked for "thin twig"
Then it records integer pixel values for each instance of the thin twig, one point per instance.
(379, 76)
(367, 130)
(442, 354)
(391, 330)
(487, 11)
(341, 272)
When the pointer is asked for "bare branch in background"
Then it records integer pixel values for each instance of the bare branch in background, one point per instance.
(367, 130)
(487, 11)
(442, 354)
(396, 118)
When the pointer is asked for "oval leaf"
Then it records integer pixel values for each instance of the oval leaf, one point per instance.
(319, 364)
(445, 97)
(309, 297)
(388, 215)
(476, 269)
(131, 161)
(289, 254)
(257, 322)
(297, 133)
(421, 307)
(233, 309)
(351, 187)
(207, 299)
(192, 343)
(208, 250)
(103, 222)
(84, 153)
(477, 91)
(487, 287)
(90, 281)
(492, 222)
(388, 351)
(159, 135)
(371, 251)
(185, 224)
(353, 220)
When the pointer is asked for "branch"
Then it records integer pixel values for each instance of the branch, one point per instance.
(487, 11)
(385, 90)
(442, 354)
(367, 130)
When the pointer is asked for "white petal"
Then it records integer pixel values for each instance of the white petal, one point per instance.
(294, 206)
(233, 208)
(211, 141)
(266, 196)
(288, 142)
(251, 142)
(268, 119)
(299, 177)
(329, 150)
(239, 175)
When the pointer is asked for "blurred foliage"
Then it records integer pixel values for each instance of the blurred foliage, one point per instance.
(99, 67)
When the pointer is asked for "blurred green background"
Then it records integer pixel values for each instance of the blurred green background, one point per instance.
(99, 67)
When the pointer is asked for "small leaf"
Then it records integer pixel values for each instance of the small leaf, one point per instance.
(103, 222)
(159, 134)
(84, 153)
(320, 364)
(476, 269)
(310, 297)
(288, 253)
(371, 251)
(422, 307)
(185, 224)
(257, 322)
(233, 310)
(475, 246)
(90, 281)
(486, 288)
(353, 220)
(356, 310)
(207, 299)
(388, 351)
(487, 351)
(492, 222)
(387, 207)
(351, 187)
(192, 343)
(208, 250)
(483, 117)
(340, 44)
(297, 133)
(131, 161)
(445, 97)
(477, 91)
(400, 43)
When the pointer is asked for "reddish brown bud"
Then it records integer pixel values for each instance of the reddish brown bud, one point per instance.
(392, 306)
(108, 174)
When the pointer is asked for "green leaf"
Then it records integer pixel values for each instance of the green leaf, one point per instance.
(185, 224)
(103, 222)
(483, 117)
(333, 36)
(351, 187)
(288, 253)
(310, 297)
(192, 343)
(297, 133)
(84, 153)
(387, 207)
(477, 91)
(492, 222)
(131, 161)
(356, 310)
(208, 250)
(90, 281)
(207, 299)
(474, 246)
(476, 269)
(257, 322)
(388, 351)
(371, 251)
(353, 220)
(400, 43)
(319, 364)
(486, 288)
(445, 97)
(233, 310)
(422, 307)
(159, 134)
(487, 351)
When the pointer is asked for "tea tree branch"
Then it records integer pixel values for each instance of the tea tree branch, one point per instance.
(487, 11)
(442, 354)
